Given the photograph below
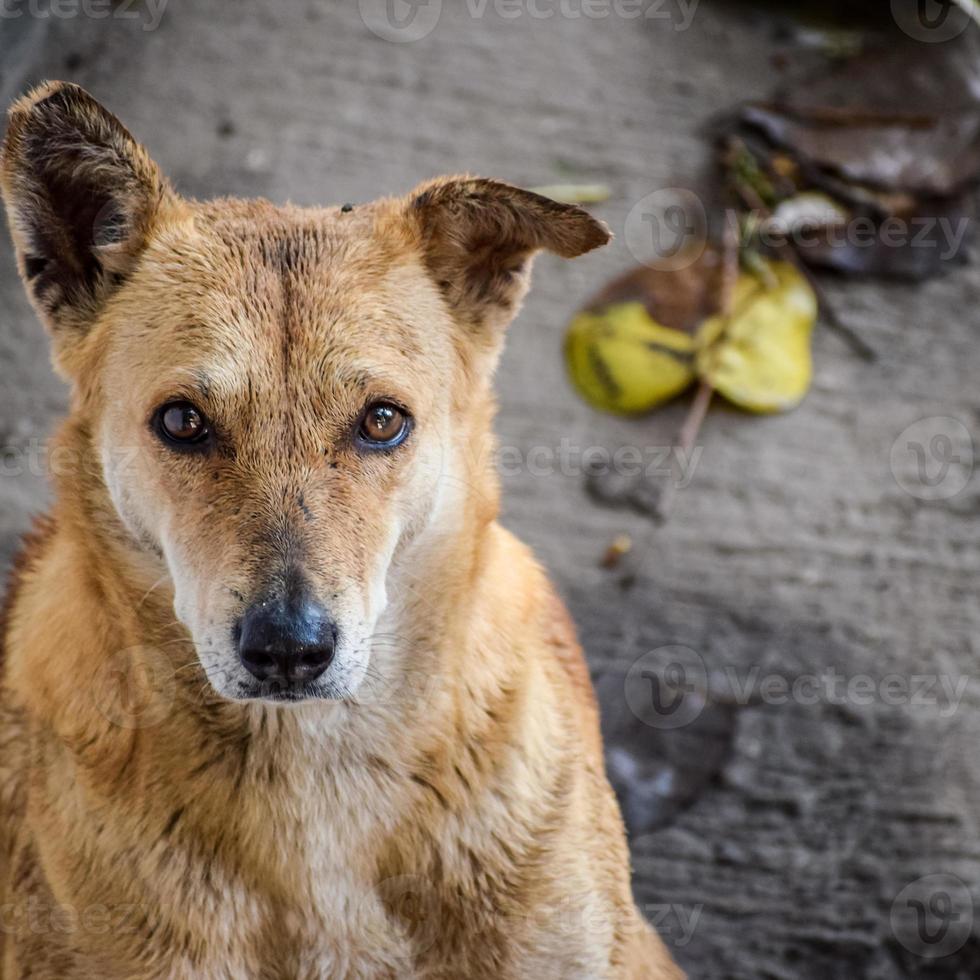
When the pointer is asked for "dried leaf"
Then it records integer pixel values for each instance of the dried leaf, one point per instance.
(575, 193)
(899, 160)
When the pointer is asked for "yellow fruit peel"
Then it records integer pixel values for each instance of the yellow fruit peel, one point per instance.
(760, 359)
(622, 360)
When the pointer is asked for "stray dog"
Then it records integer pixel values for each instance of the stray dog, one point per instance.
(280, 697)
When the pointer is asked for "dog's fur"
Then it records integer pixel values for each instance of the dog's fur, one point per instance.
(439, 807)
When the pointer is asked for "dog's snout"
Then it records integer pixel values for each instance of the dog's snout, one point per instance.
(287, 642)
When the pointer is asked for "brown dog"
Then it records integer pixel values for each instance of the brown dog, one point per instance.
(274, 486)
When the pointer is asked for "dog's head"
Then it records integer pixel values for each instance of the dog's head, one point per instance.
(283, 400)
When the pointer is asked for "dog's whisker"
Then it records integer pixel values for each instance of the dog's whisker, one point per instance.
(163, 578)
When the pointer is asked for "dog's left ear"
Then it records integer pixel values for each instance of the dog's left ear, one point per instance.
(477, 239)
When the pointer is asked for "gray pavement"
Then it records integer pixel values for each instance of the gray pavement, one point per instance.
(804, 546)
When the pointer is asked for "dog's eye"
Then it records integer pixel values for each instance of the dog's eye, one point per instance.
(383, 426)
(182, 424)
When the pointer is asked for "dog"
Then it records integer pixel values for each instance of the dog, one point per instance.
(280, 697)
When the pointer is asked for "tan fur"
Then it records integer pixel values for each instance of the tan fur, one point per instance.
(445, 812)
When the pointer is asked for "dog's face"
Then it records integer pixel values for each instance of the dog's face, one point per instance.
(284, 401)
(277, 415)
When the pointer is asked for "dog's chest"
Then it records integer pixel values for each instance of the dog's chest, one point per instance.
(331, 904)
(214, 922)
(311, 906)
(307, 878)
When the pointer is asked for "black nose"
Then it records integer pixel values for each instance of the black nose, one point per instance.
(286, 642)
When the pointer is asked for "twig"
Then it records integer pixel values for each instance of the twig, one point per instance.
(688, 432)
(695, 416)
(842, 116)
(846, 332)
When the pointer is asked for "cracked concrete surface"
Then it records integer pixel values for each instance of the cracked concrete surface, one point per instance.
(794, 553)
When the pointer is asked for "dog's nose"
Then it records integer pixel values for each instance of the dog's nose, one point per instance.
(287, 642)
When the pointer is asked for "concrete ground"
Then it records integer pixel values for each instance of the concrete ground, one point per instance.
(797, 835)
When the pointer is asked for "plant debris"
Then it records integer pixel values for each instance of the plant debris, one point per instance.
(844, 170)
(651, 334)
(617, 550)
(860, 174)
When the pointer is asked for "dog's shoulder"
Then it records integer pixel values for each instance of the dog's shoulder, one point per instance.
(561, 640)
(13, 759)
(26, 558)
(524, 586)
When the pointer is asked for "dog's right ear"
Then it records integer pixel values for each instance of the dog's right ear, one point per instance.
(81, 197)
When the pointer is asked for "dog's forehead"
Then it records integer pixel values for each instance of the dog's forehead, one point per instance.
(246, 282)
(302, 260)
